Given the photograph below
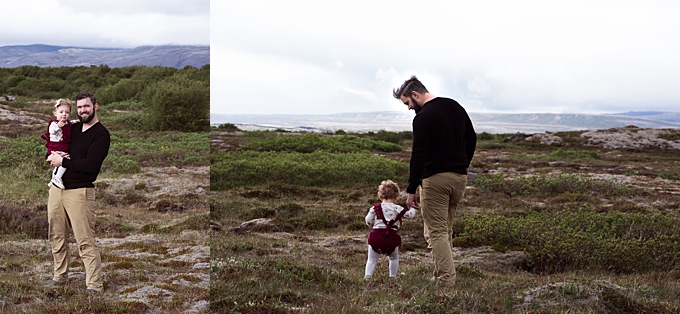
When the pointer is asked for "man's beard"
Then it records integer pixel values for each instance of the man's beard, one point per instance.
(416, 106)
(89, 118)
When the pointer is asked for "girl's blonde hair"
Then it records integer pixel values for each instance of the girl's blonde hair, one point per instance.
(62, 102)
(388, 190)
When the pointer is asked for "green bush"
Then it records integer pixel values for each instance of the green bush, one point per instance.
(392, 137)
(485, 136)
(125, 89)
(22, 149)
(178, 103)
(246, 168)
(309, 143)
(567, 240)
(227, 127)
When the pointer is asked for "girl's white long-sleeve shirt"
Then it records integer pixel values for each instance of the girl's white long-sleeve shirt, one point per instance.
(390, 210)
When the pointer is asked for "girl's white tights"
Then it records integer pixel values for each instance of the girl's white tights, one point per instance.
(373, 257)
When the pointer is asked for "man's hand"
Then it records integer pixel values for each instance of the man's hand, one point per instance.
(412, 201)
(55, 159)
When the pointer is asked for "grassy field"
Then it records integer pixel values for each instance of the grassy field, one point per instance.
(542, 229)
(152, 214)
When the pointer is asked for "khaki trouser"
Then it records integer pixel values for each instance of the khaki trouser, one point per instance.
(439, 198)
(74, 210)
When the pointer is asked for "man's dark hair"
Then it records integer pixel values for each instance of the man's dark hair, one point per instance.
(85, 94)
(410, 85)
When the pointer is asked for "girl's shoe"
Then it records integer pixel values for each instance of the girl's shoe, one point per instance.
(57, 182)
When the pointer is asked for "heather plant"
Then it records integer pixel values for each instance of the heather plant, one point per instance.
(563, 155)
(29, 222)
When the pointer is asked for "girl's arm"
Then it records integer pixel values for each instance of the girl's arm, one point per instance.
(54, 128)
(411, 213)
(370, 217)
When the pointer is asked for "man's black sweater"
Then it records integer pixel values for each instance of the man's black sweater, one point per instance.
(444, 140)
(87, 151)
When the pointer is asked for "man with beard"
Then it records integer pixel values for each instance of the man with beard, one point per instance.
(444, 142)
(73, 208)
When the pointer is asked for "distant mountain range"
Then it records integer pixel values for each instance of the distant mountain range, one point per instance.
(483, 122)
(58, 56)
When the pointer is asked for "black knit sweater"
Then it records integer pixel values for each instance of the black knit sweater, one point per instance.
(444, 140)
(87, 151)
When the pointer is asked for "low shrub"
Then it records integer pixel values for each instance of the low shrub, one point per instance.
(321, 169)
(570, 240)
(392, 137)
(485, 136)
(309, 143)
(127, 154)
(551, 185)
(22, 149)
(227, 127)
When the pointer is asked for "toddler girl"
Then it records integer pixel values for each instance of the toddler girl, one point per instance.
(385, 218)
(58, 135)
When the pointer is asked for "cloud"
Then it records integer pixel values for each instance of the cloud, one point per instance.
(116, 24)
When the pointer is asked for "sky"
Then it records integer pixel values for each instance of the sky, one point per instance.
(105, 23)
(324, 57)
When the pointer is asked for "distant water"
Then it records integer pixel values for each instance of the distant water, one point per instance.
(400, 121)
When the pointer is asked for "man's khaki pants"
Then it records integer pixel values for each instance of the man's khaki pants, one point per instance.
(439, 198)
(74, 210)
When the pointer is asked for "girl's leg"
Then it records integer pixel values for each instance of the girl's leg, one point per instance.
(370, 263)
(60, 172)
(394, 262)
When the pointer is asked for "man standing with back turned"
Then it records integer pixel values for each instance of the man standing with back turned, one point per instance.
(73, 208)
(443, 145)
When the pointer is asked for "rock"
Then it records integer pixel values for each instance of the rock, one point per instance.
(214, 225)
(628, 138)
(517, 137)
(257, 223)
(488, 259)
(546, 139)
(163, 206)
(471, 177)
